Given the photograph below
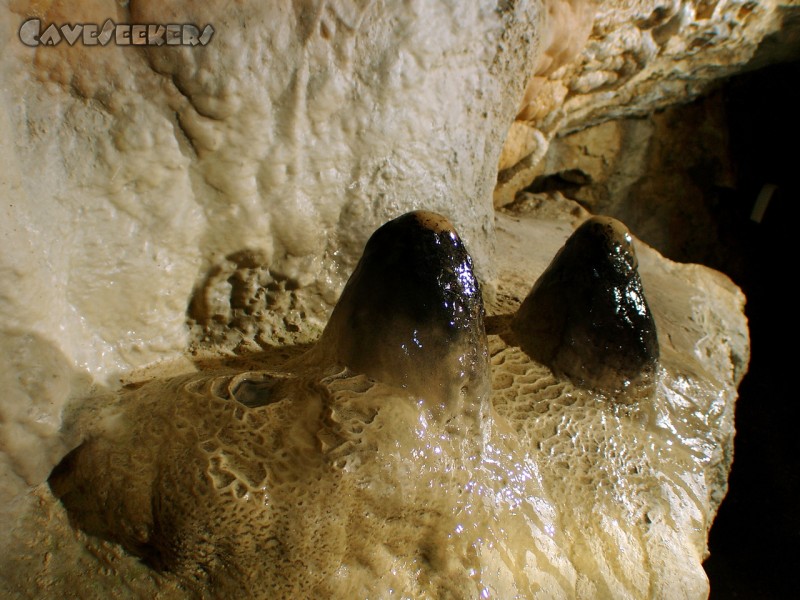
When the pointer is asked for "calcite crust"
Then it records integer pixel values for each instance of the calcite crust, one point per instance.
(178, 225)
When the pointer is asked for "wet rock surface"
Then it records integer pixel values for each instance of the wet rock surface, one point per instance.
(143, 181)
(285, 475)
(587, 315)
(411, 313)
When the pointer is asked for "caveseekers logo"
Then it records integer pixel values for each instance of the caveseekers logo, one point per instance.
(122, 34)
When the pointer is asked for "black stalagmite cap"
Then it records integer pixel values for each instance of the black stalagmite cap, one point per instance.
(411, 313)
(587, 316)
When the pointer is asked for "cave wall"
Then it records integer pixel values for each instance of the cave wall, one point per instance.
(669, 175)
(132, 177)
(238, 181)
(152, 165)
(629, 58)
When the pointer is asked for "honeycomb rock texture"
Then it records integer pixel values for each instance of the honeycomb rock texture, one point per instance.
(335, 488)
(283, 476)
(185, 216)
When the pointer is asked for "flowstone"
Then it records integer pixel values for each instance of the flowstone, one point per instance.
(293, 474)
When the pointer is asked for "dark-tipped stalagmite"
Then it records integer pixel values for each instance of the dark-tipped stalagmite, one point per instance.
(587, 316)
(252, 484)
(411, 314)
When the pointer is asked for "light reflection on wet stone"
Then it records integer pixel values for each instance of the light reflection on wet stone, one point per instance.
(587, 317)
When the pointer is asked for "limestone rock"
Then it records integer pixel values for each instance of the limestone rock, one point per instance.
(657, 174)
(145, 180)
(568, 446)
(285, 476)
(233, 186)
(291, 135)
(637, 56)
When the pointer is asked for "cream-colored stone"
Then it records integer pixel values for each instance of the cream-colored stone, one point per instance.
(132, 178)
(642, 56)
(235, 184)
(522, 140)
(655, 173)
(555, 492)
(157, 164)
